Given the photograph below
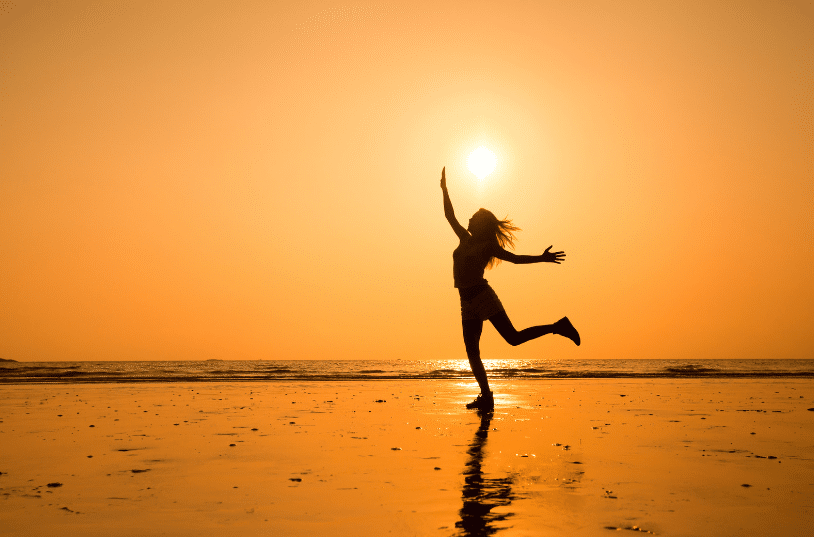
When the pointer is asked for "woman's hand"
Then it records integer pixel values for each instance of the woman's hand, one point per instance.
(444, 178)
(553, 257)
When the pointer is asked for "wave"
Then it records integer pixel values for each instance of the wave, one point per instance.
(691, 369)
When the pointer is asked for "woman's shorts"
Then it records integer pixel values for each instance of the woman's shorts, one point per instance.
(482, 306)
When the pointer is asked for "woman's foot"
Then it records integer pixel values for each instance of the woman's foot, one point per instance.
(483, 402)
(564, 328)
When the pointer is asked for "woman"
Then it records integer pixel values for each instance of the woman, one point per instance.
(483, 245)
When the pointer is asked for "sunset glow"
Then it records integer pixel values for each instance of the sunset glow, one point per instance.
(259, 180)
(482, 162)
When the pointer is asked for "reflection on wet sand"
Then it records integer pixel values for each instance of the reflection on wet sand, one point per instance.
(482, 494)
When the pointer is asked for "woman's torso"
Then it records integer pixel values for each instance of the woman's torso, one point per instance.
(469, 261)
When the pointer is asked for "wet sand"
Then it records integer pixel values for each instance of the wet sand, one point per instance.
(583, 457)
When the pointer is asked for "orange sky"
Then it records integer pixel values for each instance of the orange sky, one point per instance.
(259, 180)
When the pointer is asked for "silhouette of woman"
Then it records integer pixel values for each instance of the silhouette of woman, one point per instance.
(483, 245)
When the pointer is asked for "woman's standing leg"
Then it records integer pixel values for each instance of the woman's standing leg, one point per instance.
(472, 331)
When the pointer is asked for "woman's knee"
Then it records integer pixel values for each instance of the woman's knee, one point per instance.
(513, 339)
(505, 328)
(512, 336)
(472, 351)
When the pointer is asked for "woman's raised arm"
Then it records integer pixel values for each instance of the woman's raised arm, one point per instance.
(449, 212)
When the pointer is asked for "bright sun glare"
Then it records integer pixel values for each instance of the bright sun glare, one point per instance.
(481, 162)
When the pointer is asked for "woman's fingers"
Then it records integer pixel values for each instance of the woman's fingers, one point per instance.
(554, 257)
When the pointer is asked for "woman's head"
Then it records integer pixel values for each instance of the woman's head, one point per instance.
(485, 225)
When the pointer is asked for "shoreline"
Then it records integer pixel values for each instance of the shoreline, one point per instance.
(268, 371)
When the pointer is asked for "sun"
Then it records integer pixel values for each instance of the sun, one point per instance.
(481, 162)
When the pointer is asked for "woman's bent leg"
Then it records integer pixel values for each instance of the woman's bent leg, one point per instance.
(505, 328)
(472, 331)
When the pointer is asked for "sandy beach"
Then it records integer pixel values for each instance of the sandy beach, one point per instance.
(584, 457)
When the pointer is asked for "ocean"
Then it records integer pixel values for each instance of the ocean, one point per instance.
(367, 370)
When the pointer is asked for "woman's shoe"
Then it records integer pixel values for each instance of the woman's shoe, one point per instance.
(564, 328)
(483, 402)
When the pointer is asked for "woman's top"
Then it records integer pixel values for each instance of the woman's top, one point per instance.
(469, 260)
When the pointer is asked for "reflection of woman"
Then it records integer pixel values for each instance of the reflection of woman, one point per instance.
(482, 245)
(482, 494)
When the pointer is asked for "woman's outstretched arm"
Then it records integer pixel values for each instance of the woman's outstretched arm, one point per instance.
(449, 212)
(547, 257)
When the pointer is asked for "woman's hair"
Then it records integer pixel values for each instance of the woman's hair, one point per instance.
(503, 231)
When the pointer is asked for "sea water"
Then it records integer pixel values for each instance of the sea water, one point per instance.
(366, 370)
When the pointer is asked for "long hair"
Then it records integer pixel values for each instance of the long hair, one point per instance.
(503, 231)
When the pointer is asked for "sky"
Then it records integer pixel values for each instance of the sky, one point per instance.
(260, 180)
